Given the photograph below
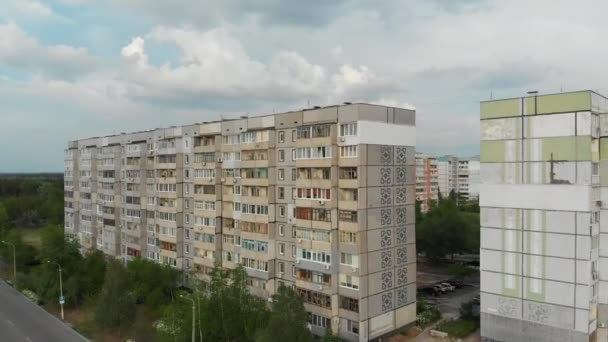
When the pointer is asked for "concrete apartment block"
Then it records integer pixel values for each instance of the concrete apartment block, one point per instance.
(321, 199)
(427, 185)
(541, 258)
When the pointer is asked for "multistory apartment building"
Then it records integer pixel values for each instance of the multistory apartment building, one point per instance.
(447, 174)
(427, 185)
(460, 175)
(320, 199)
(543, 265)
(468, 178)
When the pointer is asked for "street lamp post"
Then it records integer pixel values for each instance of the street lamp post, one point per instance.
(193, 318)
(61, 299)
(14, 260)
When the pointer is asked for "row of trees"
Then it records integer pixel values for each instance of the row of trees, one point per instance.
(451, 226)
(28, 202)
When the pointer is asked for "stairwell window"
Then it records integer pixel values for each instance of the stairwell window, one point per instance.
(348, 151)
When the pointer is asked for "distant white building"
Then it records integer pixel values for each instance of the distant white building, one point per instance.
(460, 175)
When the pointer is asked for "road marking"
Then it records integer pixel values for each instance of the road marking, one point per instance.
(10, 322)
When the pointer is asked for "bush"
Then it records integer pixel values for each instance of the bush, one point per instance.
(427, 314)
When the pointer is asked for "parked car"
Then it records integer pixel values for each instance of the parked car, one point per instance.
(448, 286)
(456, 283)
(429, 291)
(440, 288)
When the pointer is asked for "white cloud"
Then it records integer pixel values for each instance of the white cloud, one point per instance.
(22, 51)
(214, 63)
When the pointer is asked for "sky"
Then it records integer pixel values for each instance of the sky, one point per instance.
(73, 69)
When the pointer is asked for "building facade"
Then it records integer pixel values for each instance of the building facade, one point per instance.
(427, 185)
(321, 199)
(447, 174)
(543, 266)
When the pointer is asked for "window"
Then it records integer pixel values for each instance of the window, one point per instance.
(314, 214)
(314, 298)
(348, 129)
(187, 249)
(313, 152)
(204, 221)
(260, 228)
(350, 304)
(314, 256)
(347, 216)
(348, 151)
(313, 235)
(187, 219)
(281, 174)
(349, 259)
(352, 327)
(349, 194)
(254, 264)
(254, 245)
(230, 139)
(282, 211)
(281, 267)
(281, 136)
(319, 321)
(187, 203)
(205, 157)
(236, 190)
(231, 156)
(252, 209)
(315, 193)
(187, 159)
(281, 192)
(282, 249)
(281, 155)
(294, 251)
(348, 173)
(313, 276)
(204, 173)
(294, 174)
(349, 281)
(281, 230)
(204, 205)
(293, 154)
(316, 131)
(293, 135)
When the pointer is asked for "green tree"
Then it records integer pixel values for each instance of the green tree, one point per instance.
(56, 248)
(442, 232)
(152, 284)
(288, 319)
(459, 271)
(115, 306)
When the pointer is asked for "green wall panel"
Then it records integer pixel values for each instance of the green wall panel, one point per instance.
(499, 108)
(567, 148)
(565, 102)
(492, 151)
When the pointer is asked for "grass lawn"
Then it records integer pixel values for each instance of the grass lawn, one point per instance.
(31, 236)
(459, 328)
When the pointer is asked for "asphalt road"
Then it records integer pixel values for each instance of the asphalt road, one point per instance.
(23, 321)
